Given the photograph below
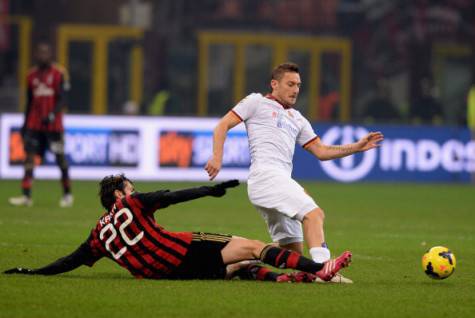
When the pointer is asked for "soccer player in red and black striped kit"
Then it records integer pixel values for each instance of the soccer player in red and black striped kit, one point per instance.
(43, 126)
(128, 235)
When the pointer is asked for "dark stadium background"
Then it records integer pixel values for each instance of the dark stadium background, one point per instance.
(149, 78)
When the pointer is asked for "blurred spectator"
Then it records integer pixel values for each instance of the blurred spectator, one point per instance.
(329, 101)
(426, 109)
(230, 9)
(130, 108)
(328, 106)
(157, 106)
(380, 108)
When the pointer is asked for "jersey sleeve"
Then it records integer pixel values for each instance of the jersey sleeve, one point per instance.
(306, 135)
(149, 202)
(246, 107)
(152, 201)
(96, 250)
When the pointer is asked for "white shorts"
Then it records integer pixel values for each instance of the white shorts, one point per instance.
(282, 202)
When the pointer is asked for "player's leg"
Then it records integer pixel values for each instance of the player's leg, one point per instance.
(253, 271)
(31, 144)
(285, 208)
(26, 183)
(239, 249)
(285, 232)
(314, 237)
(296, 246)
(57, 147)
(312, 223)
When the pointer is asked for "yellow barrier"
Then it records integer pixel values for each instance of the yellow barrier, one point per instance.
(24, 52)
(280, 45)
(100, 36)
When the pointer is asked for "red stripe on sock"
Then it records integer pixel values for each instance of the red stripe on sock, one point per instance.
(66, 183)
(277, 259)
(293, 260)
(261, 273)
(26, 183)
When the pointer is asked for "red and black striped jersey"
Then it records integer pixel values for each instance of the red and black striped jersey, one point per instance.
(129, 235)
(45, 89)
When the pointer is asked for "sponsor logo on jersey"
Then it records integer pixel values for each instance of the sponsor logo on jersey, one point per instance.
(284, 123)
(43, 90)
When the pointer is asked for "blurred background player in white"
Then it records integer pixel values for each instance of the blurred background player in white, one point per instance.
(43, 125)
(273, 128)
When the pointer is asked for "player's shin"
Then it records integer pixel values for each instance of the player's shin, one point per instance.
(65, 180)
(282, 258)
(256, 272)
(27, 182)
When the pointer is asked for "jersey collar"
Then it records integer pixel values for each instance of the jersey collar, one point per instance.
(272, 97)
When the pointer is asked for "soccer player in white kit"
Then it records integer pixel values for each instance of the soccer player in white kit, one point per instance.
(273, 128)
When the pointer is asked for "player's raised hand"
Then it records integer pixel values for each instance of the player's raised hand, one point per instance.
(20, 270)
(213, 166)
(370, 141)
(219, 189)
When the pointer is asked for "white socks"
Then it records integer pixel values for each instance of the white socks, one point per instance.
(320, 254)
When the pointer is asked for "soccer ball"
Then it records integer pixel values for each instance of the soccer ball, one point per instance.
(439, 262)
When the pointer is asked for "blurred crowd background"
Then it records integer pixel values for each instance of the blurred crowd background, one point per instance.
(369, 61)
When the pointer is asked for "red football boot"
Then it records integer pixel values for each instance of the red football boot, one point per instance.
(331, 267)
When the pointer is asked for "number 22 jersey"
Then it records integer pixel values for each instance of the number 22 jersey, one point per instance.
(129, 235)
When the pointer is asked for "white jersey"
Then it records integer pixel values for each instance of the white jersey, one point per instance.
(273, 132)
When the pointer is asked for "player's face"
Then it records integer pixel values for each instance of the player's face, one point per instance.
(128, 188)
(43, 54)
(287, 88)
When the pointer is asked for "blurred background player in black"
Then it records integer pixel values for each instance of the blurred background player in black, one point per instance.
(427, 109)
(43, 128)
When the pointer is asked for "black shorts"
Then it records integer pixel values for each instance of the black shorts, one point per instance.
(203, 260)
(37, 142)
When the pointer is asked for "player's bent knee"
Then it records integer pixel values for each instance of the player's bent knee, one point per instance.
(321, 214)
(256, 247)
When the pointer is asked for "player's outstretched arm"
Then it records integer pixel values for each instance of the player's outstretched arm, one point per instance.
(81, 256)
(328, 152)
(162, 199)
(213, 166)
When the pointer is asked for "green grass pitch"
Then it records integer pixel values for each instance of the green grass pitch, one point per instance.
(387, 226)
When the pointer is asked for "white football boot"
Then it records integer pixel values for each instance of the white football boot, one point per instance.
(66, 201)
(340, 279)
(22, 200)
(337, 279)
